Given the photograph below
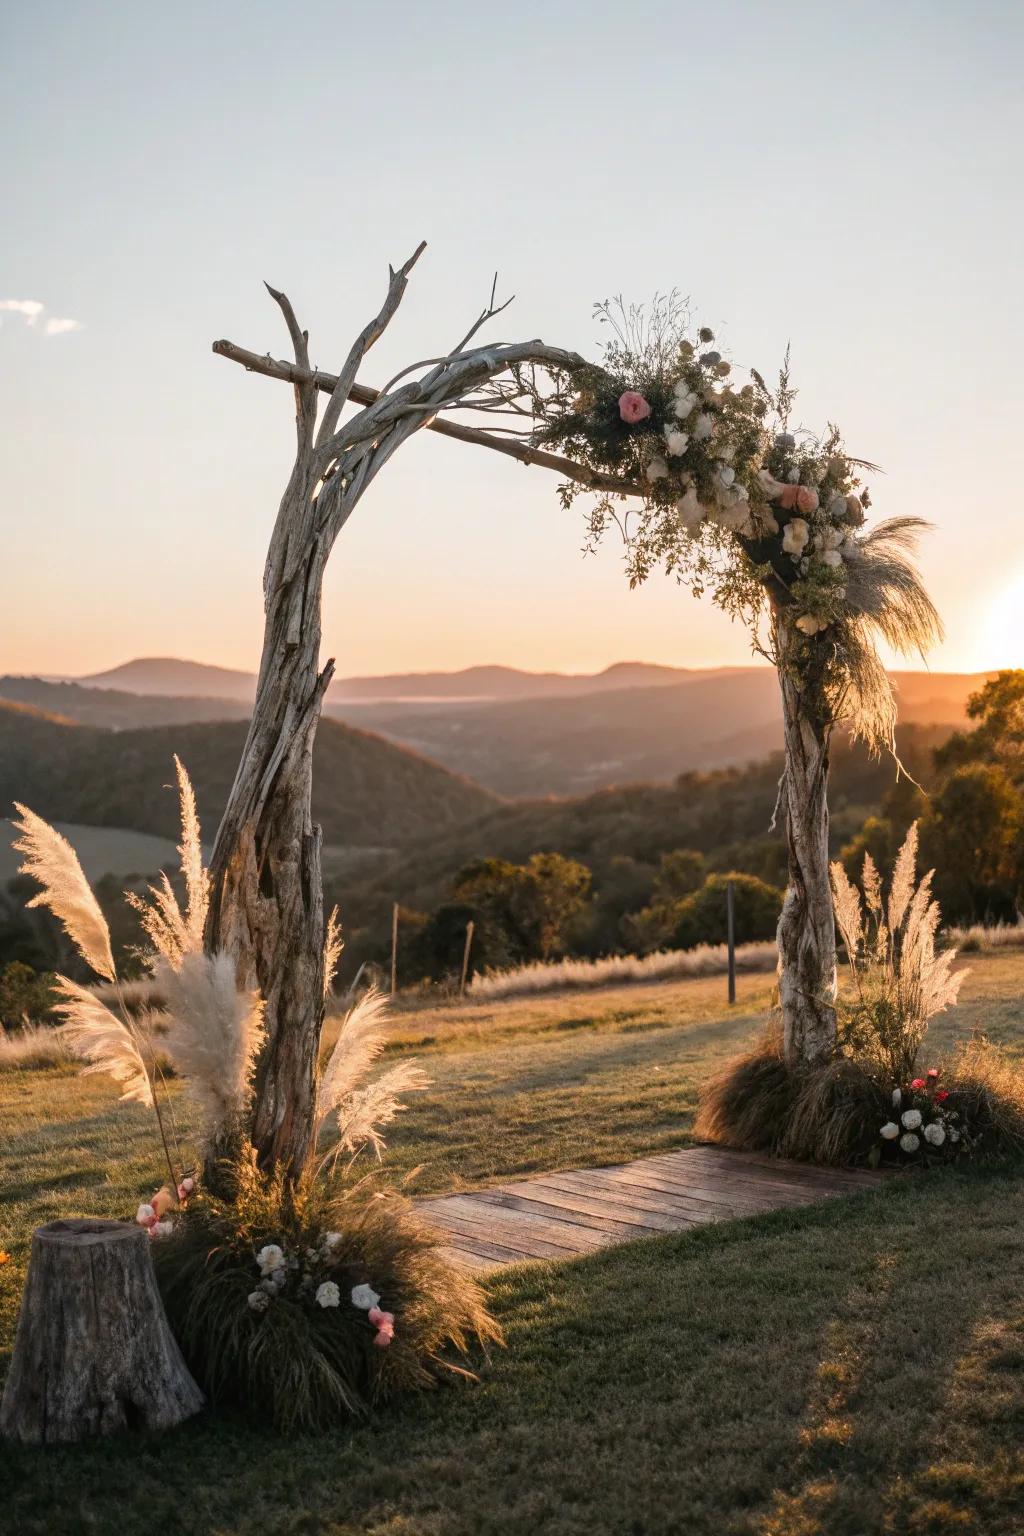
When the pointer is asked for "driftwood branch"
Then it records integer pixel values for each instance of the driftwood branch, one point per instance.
(362, 394)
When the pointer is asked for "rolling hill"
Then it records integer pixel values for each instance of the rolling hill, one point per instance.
(368, 792)
(572, 735)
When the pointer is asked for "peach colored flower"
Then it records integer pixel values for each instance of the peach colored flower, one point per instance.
(806, 499)
(633, 407)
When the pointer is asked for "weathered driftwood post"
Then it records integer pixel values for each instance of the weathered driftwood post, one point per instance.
(93, 1352)
(266, 902)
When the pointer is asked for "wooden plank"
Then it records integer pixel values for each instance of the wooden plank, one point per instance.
(639, 1197)
(754, 1195)
(712, 1197)
(783, 1183)
(643, 1213)
(516, 1229)
(543, 1203)
(732, 1162)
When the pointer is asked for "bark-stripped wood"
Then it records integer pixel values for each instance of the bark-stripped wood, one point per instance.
(93, 1353)
(266, 893)
(806, 933)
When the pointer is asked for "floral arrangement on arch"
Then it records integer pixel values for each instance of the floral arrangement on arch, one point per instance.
(737, 500)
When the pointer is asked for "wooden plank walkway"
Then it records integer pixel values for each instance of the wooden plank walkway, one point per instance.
(563, 1215)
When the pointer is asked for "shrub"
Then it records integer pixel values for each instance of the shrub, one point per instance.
(284, 1338)
(701, 917)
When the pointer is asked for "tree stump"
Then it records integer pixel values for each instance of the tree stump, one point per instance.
(94, 1352)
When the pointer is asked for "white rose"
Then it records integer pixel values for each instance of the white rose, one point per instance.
(810, 624)
(689, 510)
(935, 1134)
(328, 1295)
(145, 1215)
(795, 536)
(657, 469)
(259, 1301)
(897, 1098)
(270, 1258)
(831, 557)
(676, 442)
(726, 474)
(911, 1119)
(684, 401)
(705, 426)
(890, 1130)
(364, 1297)
(837, 507)
(333, 1240)
(910, 1142)
(161, 1229)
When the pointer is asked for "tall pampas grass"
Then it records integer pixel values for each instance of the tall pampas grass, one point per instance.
(51, 860)
(212, 1032)
(901, 979)
(363, 1107)
(107, 1043)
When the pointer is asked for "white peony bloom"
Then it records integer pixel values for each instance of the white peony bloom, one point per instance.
(837, 507)
(259, 1301)
(364, 1297)
(328, 1295)
(890, 1130)
(145, 1215)
(676, 442)
(333, 1240)
(270, 1258)
(772, 488)
(831, 557)
(795, 536)
(810, 624)
(830, 538)
(909, 1142)
(897, 1098)
(657, 469)
(935, 1134)
(161, 1229)
(726, 474)
(683, 402)
(689, 510)
(735, 515)
(705, 426)
(911, 1119)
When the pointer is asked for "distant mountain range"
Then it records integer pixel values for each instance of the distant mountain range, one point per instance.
(515, 733)
(166, 676)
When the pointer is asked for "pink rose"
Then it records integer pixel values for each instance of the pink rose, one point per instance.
(185, 1188)
(806, 499)
(633, 407)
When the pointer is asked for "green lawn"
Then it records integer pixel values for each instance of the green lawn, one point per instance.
(847, 1370)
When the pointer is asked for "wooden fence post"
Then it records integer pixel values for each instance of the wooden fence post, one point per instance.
(465, 957)
(394, 948)
(730, 920)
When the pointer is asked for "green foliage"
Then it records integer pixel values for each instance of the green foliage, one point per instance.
(532, 904)
(972, 833)
(701, 918)
(26, 996)
(295, 1363)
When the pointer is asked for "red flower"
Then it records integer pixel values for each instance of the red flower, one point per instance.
(918, 1083)
(933, 1072)
(942, 1095)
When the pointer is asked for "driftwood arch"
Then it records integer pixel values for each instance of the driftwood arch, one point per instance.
(266, 892)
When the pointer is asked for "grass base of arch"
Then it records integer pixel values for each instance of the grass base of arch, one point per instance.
(833, 1113)
(295, 1360)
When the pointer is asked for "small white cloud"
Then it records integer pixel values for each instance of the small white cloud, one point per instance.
(56, 326)
(31, 309)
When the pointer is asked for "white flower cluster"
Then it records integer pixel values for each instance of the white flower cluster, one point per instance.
(936, 1132)
(276, 1268)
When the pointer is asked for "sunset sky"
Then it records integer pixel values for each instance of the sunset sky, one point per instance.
(844, 177)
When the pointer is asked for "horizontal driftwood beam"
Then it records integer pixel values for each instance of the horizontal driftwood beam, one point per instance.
(289, 373)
